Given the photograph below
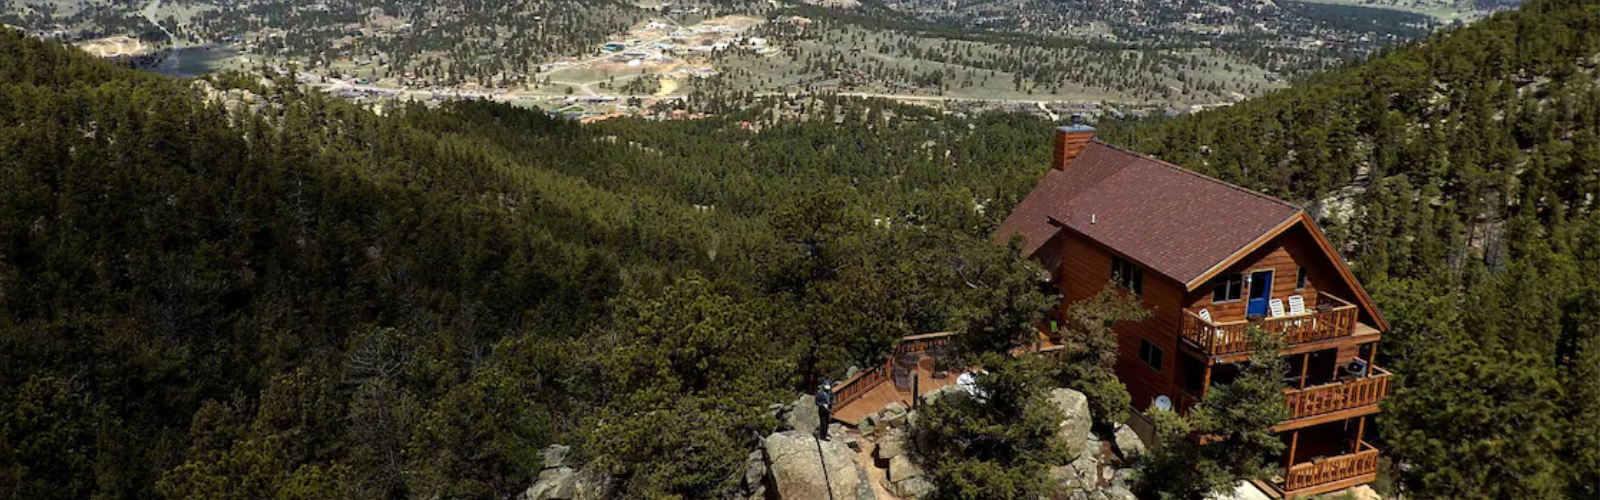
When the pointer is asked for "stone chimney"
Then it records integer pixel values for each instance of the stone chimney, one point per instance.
(1070, 140)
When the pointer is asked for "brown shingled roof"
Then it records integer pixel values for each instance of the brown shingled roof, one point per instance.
(1172, 221)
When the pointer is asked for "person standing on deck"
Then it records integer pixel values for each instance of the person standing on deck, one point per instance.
(824, 409)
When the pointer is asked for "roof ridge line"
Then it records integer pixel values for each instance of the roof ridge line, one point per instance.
(1180, 168)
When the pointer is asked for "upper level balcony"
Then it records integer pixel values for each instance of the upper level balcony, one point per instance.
(1328, 319)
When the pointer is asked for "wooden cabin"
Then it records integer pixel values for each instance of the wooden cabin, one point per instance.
(1209, 259)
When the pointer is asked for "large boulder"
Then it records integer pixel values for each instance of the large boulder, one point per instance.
(943, 392)
(802, 468)
(553, 484)
(566, 483)
(901, 468)
(914, 487)
(1073, 431)
(893, 415)
(891, 410)
(868, 424)
(891, 446)
(803, 416)
(755, 468)
(1070, 479)
(1119, 493)
(1128, 443)
(555, 455)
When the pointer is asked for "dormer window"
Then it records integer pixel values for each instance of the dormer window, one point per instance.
(1127, 275)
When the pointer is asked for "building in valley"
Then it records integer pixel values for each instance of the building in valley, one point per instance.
(1209, 259)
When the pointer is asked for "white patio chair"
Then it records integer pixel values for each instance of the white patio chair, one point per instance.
(1297, 305)
(1205, 315)
(1275, 308)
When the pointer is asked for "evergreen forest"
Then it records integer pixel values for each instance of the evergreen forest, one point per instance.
(235, 288)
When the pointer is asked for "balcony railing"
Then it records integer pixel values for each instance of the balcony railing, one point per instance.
(1338, 468)
(1230, 337)
(1329, 398)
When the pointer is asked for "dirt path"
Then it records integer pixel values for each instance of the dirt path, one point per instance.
(875, 475)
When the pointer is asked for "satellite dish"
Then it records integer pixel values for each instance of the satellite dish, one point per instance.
(1163, 403)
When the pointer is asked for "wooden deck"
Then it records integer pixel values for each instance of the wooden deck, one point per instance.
(1333, 319)
(1324, 475)
(885, 392)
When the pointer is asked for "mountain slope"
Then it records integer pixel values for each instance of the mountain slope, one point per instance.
(1461, 176)
(231, 288)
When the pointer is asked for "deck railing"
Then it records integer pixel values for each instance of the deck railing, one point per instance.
(1330, 398)
(1055, 353)
(863, 382)
(1230, 337)
(918, 344)
(1338, 468)
(854, 387)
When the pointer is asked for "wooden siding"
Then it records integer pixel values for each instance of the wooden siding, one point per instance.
(1084, 270)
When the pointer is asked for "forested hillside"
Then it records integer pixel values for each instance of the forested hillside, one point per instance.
(268, 293)
(272, 294)
(1460, 176)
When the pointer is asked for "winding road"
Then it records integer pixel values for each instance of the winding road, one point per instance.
(171, 62)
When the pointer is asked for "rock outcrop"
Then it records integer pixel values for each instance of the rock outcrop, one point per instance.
(891, 446)
(1128, 443)
(892, 416)
(801, 468)
(901, 468)
(802, 415)
(942, 392)
(1073, 430)
(560, 481)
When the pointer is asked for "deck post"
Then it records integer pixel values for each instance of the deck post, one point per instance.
(1372, 356)
(1205, 383)
(1361, 433)
(1294, 442)
(1305, 366)
(916, 388)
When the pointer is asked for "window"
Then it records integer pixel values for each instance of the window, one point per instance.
(1126, 275)
(1150, 354)
(1300, 280)
(1227, 288)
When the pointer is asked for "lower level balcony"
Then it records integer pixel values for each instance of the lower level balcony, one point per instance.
(1319, 475)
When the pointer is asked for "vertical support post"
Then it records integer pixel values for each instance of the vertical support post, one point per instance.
(1305, 365)
(1294, 442)
(1372, 355)
(1205, 383)
(1361, 433)
(916, 387)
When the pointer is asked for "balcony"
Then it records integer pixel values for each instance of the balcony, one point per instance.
(1351, 397)
(1321, 475)
(1331, 318)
